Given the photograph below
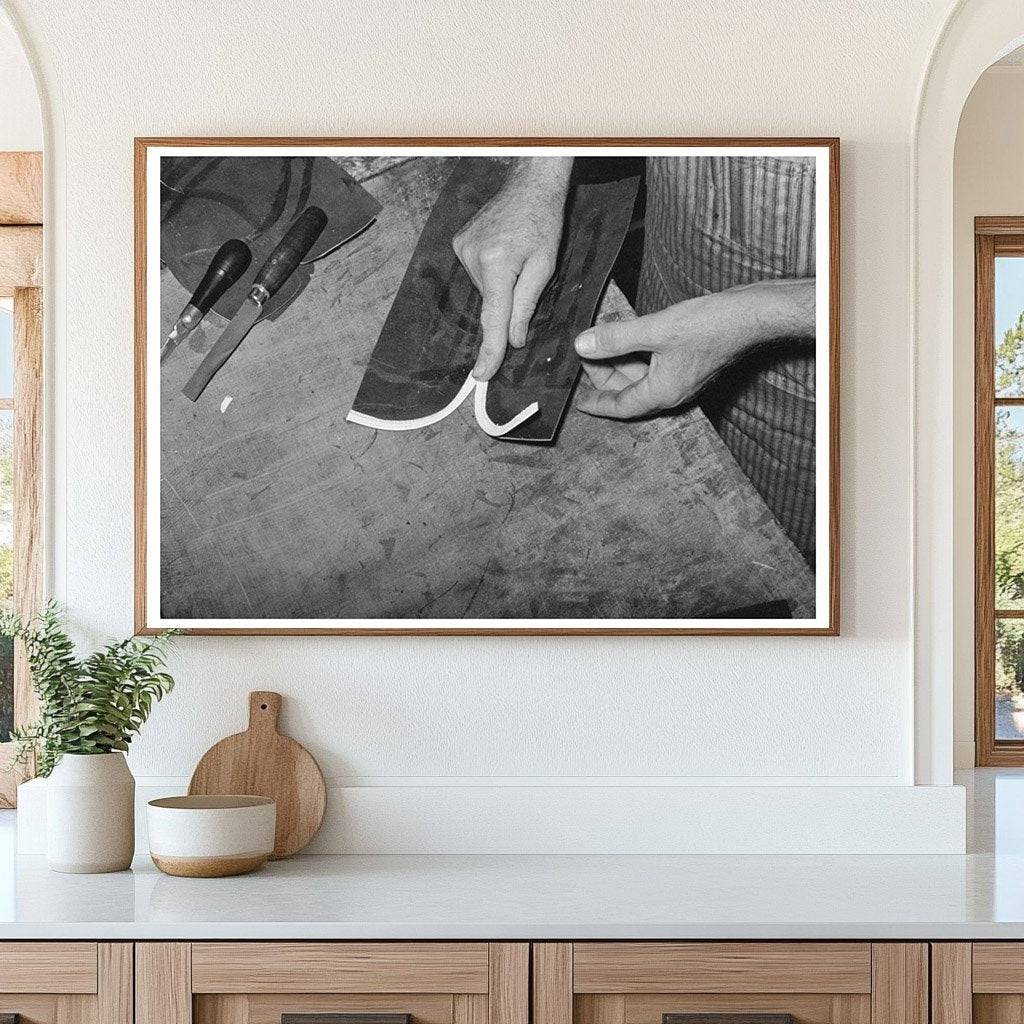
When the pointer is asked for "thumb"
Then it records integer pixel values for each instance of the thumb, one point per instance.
(615, 338)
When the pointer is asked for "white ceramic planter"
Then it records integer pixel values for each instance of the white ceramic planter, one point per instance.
(90, 814)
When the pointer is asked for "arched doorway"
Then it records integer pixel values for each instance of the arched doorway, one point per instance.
(975, 35)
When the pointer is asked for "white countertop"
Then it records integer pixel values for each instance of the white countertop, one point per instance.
(532, 897)
(979, 896)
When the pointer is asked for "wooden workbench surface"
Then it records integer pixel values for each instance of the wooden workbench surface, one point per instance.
(273, 506)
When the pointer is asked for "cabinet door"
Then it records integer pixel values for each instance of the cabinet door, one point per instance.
(66, 982)
(980, 982)
(314, 982)
(749, 982)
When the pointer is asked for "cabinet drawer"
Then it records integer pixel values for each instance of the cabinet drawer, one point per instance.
(66, 982)
(630, 967)
(749, 982)
(340, 967)
(48, 967)
(981, 982)
(260, 982)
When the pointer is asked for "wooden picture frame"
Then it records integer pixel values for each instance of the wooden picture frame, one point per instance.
(148, 615)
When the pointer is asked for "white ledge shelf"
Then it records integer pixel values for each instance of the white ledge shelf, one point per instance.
(531, 897)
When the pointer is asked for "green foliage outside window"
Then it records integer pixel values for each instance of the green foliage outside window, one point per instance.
(1009, 508)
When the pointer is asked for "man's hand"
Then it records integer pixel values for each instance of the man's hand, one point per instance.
(509, 251)
(684, 346)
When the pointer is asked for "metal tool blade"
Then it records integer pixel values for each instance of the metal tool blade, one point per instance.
(170, 344)
(222, 348)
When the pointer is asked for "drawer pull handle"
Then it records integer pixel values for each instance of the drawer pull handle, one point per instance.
(728, 1018)
(342, 1018)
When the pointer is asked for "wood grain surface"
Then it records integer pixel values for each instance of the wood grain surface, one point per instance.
(271, 1008)
(998, 967)
(807, 1008)
(899, 983)
(508, 983)
(21, 258)
(115, 995)
(163, 983)
(21, 188)
(469, 1008)
(48, 967)
(757, 967)
(552, 983)
(985, 751)
(386, 967)
(262, 762)
(277, 508)
(21, 191)
(951, 984)
(994, 237)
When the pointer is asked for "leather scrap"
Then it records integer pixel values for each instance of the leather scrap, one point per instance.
(206, 200)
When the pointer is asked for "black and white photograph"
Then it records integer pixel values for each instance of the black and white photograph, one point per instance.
(461, 387)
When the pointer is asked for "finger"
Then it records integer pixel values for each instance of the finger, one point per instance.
(498, 281)
(531, 284)
(635, 400)
(618, 338)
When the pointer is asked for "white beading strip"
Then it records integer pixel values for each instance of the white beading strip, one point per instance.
(484, 421)
(424, 421)
(487, 424)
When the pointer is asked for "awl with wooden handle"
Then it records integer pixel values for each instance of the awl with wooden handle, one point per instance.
(229, 263)
(280, 265)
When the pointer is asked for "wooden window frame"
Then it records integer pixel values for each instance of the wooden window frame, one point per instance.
(21, 271)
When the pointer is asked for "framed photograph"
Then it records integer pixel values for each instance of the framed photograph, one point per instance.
(487, 386)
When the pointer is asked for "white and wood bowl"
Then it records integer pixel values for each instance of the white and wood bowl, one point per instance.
(211, 836)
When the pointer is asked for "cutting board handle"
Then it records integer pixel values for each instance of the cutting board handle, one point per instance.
(264, 710)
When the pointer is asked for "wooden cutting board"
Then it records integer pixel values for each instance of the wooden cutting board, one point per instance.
(262, 762)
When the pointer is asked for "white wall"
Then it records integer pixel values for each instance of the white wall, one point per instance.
(446, 712)
(988, 181)
(20, 121)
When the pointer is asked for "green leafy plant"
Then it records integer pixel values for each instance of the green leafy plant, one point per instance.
(91, 705)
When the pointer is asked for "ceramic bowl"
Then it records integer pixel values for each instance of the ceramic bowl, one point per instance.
(211, 836)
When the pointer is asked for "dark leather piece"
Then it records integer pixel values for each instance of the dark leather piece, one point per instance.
(206, 200)
(546, 369)
(431, 337)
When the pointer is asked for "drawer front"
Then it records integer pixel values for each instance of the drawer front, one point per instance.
(262, 982)
(340, 967)
(48, 967)
(66, 982)
(637, 967)
(737, 982)
(980, 982)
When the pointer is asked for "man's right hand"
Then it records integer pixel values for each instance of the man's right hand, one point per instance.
(509, 250)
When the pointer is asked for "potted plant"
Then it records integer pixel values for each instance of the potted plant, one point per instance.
(89, 709)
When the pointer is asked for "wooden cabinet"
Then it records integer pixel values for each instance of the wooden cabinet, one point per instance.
(980, 982)
(258, 982)
(815, 982)
(66, 982)
(498, 983)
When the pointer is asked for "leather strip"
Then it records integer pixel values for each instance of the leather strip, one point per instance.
(431, 337)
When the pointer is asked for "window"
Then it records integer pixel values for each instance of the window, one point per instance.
(6, 509)
(999, 490)
(21, 354)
